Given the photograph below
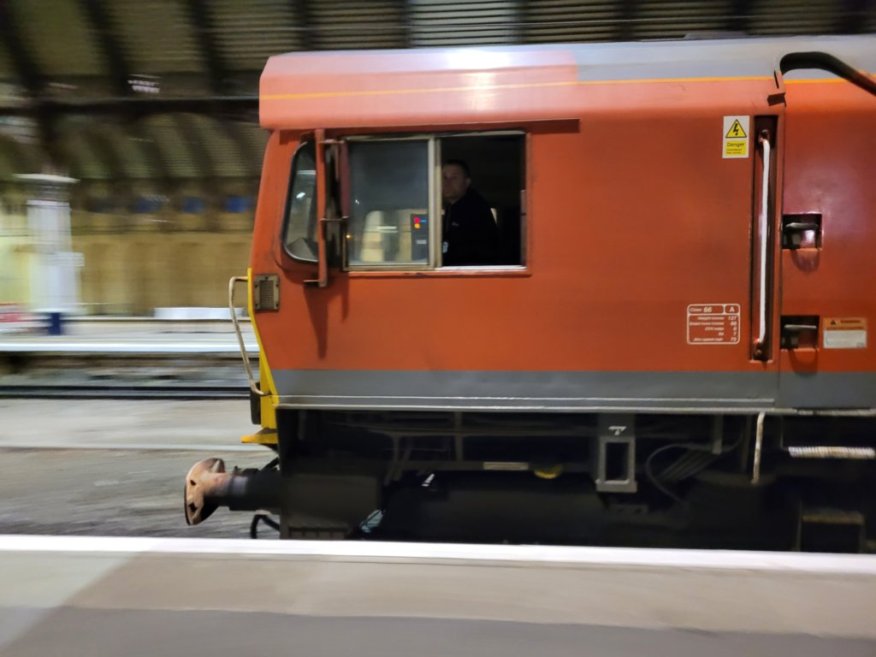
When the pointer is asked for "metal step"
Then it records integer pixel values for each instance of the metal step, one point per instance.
(832, 452)
(827, 529)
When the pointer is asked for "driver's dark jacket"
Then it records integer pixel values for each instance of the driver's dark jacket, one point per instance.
(471, 236)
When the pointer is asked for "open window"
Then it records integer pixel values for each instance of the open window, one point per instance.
(495, 163)
(401, 216)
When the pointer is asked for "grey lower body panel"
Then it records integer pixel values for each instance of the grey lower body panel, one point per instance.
(528, 391)
(827, 390)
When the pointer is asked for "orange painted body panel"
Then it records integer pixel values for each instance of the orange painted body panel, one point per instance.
(830, 168)
(615, 256)
(632, 216)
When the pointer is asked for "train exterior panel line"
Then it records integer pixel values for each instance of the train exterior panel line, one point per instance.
(677, 299)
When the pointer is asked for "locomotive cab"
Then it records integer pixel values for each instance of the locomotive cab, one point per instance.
(383, 191)
(671, 338)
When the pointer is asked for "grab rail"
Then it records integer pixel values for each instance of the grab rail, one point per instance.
(253, 384)
(763, 229)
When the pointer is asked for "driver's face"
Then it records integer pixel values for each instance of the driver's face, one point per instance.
(454, 183)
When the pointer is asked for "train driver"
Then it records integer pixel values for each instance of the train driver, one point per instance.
(470, 234)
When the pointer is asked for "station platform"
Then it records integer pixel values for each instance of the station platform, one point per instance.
(145, 597)
(136, 337)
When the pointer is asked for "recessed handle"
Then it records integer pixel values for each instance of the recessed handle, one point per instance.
(800, 327)
(801, 231)
(802, 225)
(799, 331)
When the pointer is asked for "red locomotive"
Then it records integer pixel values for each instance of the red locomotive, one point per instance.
(672, 331)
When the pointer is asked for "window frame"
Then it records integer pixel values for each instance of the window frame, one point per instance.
(433, 266)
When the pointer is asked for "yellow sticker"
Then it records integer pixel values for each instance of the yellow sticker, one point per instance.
(736, 149)
(736, 131)
(735, 137)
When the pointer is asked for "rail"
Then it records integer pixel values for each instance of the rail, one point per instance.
(253, 384)
(764, 242)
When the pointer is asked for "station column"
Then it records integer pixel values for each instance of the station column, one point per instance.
(54, 267)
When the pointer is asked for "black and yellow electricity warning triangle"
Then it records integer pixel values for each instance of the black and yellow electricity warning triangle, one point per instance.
(736, 131)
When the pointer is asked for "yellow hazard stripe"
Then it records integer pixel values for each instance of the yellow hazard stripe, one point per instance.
(268, 435)
(262, 437)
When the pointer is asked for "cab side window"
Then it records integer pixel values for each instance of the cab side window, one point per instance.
(433, 201)
(300, 222)
(389, 208)
(483, 175)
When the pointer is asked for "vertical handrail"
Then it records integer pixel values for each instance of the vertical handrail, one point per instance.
(321, 203)
(253, 385)
(758, 448)
(763, 222)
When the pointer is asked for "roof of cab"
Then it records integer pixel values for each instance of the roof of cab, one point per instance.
(513, 83)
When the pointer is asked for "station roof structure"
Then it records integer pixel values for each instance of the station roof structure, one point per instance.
(108, 90)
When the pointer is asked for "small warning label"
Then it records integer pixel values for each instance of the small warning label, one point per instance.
(735, 137)
(845, 333)
(736, 131)
(713, 323)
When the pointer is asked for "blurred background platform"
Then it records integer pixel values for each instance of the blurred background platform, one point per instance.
(165, 334)
(174, 355)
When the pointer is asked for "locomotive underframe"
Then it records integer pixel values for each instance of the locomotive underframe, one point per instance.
(614, 478)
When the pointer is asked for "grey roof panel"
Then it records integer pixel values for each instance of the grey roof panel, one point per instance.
(718, 58)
